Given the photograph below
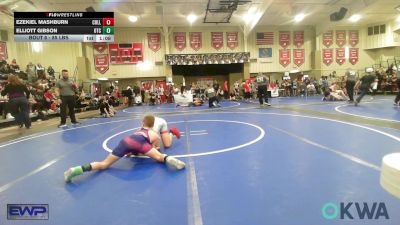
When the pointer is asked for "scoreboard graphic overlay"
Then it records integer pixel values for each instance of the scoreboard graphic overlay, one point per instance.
(64, 26)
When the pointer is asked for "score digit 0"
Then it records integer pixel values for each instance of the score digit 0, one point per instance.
(108, 21)
(108, 30)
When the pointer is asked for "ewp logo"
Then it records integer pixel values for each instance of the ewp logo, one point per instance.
(27, 211)
(364, 211)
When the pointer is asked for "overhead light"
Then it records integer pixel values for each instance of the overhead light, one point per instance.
(398, 19)
(354, 18)
(248, 17)
(191, 18)
(299, 17)
(132, 18)
(102, 78)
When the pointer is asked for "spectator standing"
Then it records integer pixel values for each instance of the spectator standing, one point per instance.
(18, 95)
(50, 71)
(226, 89)
(41, 72)
(211, 95)
(397, 99)
(31, 72)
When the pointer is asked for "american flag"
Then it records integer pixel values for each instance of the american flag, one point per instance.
(265, 38)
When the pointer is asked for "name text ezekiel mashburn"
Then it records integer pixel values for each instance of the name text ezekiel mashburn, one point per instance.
(34, 22)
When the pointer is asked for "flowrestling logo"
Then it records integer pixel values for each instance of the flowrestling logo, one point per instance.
(355, 210)
(27, 211)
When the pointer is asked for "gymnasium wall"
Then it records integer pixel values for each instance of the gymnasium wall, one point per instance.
(365, 58)
(64, 55)
(272, 65)
(206, 39)
(129, 35)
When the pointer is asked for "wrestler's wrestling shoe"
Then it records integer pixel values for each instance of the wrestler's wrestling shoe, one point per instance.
(72, 172)
(176, 163)
(175, 132)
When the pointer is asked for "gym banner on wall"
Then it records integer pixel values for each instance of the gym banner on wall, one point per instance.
(298, 56)
(180, 40)
(298, 38)
(284, 38)
(217, 40)
(340, 38)
(327, 56)
(154, 41)
(340, 56)
(353, 55)
(100, 46)
(353, 37)
(195, 40)
(284, 57)
(232, 40)
(101, 63)
(327, 38)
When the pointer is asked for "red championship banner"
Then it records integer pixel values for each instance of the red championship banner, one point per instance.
(298, 38)
(180, 40)
(327, 38)
(217, 40)
(232, 40)
(284, 38)
(101, 63)
(3, 50)
(298, 56)
(195, 40)
(154, 41)
(340, 38)
(353, 55)
(353, 37)
(327, 56)
(284, 57)
(340, 56)
(100, 46)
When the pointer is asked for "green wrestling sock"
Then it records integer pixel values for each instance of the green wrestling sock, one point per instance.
(72, 172)
(77, 170)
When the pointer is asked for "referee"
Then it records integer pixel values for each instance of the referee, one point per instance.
(65, 90)
(262, 83)
(350, 82)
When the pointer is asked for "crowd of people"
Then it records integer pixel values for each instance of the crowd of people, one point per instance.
(37, 93)
(47, 95)
(333, 87)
